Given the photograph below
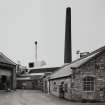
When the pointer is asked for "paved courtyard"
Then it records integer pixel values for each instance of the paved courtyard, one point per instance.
(32, 97)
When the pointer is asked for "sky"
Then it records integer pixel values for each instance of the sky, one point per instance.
(22, 22)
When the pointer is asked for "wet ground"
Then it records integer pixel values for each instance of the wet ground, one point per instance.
(33, 97)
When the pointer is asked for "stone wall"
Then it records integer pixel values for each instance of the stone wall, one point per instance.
(55, 85)
(95, 67)
(14, 78)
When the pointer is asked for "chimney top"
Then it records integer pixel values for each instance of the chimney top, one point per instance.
(68, 8)
(36, 42)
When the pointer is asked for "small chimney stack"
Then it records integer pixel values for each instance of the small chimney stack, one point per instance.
(68, 51)
(36, 53)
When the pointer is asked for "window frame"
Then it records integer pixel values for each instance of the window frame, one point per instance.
(88, 84)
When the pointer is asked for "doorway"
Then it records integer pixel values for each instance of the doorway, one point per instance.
(3, 82)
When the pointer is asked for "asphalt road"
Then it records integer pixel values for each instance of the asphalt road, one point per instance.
(32, 97)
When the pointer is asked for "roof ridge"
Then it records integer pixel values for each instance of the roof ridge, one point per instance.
(93, 52)
(61, 72)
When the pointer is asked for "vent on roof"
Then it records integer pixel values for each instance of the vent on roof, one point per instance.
(81, 54)
(31, 64)
(84, 54)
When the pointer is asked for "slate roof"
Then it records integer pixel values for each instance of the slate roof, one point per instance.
(22, 78)
(4, 59)
(43, 70)
(29, 77)
(36, 77)
(67, 69)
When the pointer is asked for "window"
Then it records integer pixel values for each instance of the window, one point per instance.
(54, 87)
(88, 83)
(66, 87)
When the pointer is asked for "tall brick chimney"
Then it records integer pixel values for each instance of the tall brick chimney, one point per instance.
(68, 51)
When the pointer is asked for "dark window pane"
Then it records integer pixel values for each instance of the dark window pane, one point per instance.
(88, 83)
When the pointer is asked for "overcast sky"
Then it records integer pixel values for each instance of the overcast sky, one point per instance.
(24, 21)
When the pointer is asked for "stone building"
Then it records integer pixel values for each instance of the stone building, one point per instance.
(39, 77)
(35, 78)
(82, 79)
(7, 73)
(24, 82)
